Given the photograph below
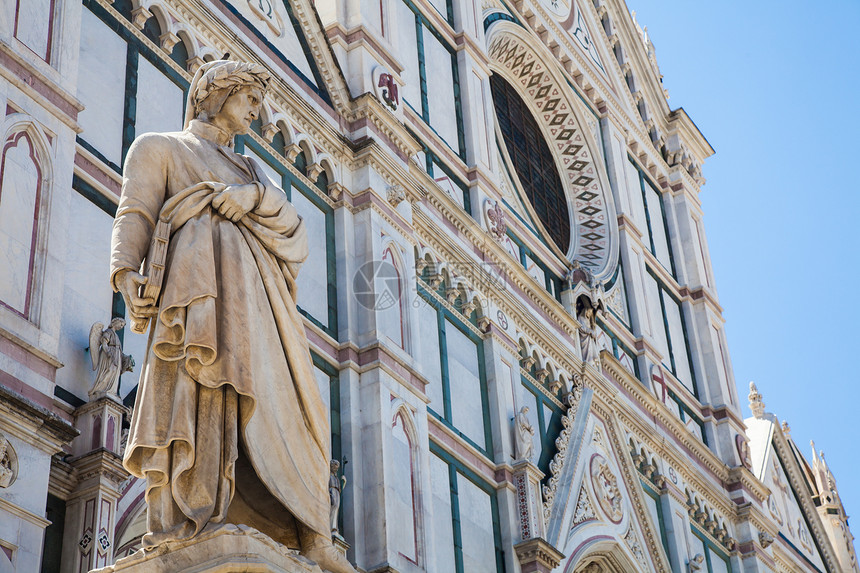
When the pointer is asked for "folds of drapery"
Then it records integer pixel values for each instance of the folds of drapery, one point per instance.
(227, 353)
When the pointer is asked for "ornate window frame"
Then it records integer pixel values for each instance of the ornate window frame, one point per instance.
(578, 154)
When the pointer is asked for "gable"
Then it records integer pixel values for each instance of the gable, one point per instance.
(274, 23)
(786, 510)
(608, 502)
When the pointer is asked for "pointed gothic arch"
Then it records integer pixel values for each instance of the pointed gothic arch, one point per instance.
(403, 430)
(25, 180)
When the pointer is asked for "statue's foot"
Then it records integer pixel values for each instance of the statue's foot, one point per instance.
(324, 553)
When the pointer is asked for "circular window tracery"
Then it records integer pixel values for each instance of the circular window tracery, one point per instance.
(552, 102)
(532, 160)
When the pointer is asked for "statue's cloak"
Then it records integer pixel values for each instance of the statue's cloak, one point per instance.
(228, 374)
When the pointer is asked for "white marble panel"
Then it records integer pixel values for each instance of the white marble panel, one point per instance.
(429, 354)
(101, 86)
(270, 17)
(658, 227)
(388, 286)
(679, 348)
(465, 383)
(17, 214)
(652, 299)
(442, 524)
(407, 55)
(653, 511)
(88, 295)
(441, 6)
(535, 271)
(476, 518)
(696, 546)
(402, 527)
(313, 276)
(159, 101)
(718, 565)
(634, 193)
(440, 89)
(30, 488)
(276, 178)
(324, 385)
(33, 25)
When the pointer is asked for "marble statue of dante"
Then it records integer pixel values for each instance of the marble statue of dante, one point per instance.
(108, 360)
(524, 435)
(229, 425)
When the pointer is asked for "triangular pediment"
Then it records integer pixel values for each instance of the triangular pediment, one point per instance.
(789, 505)
(606, 515)
(291, 30)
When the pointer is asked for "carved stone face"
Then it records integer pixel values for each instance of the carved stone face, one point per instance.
(334, 466)
(240, 109)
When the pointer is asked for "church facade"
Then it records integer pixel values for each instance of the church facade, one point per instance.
(509, 300)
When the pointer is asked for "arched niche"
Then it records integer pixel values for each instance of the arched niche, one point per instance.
(540, 83)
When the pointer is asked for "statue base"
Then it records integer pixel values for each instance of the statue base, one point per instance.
(221, 549)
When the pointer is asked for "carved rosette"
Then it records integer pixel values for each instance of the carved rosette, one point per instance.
(606, 488)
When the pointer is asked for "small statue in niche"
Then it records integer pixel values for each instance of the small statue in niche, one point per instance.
(107, 358)
(335, 488)
(524, 435)
(586, 315)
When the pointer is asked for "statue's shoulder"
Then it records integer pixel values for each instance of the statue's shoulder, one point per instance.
(157, 141)
(149, 147)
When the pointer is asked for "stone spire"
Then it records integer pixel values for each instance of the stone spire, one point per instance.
(832, 512)
(756, 405)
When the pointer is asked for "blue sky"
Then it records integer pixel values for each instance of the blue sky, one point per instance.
(774, 88)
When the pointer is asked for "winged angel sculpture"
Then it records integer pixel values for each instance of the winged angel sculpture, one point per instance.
(108, 360)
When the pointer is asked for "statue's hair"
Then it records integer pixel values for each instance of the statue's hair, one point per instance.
(222, 79)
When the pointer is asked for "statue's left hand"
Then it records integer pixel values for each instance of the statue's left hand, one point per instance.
(236, 200)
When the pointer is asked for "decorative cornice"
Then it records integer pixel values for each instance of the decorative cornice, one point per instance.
(53, 430)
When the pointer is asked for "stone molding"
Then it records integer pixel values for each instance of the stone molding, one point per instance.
(537, 555)
(221, 549)
(50, 430)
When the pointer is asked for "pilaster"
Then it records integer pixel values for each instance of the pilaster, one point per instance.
(91, 507)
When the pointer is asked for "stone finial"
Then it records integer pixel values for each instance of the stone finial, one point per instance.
(756, 405)
(786, 429)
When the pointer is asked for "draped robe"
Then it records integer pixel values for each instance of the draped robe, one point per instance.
(228, 405)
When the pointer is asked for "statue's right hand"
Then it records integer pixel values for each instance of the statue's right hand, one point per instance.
(129, 282)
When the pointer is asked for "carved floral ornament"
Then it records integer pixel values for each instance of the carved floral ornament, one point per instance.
(560, 115)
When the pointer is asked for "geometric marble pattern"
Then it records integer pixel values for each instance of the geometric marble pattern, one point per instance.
(585, 195)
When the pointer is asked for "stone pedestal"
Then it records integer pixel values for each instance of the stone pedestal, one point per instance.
(527, 478)
(537, 556)
(221, 549)
(91, 506)
(534, 553)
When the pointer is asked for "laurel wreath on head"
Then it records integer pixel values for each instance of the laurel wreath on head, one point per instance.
(230, 76)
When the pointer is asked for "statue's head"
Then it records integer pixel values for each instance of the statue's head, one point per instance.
(524, 410)
(227, 94)
(117, 323)
(334, 466)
